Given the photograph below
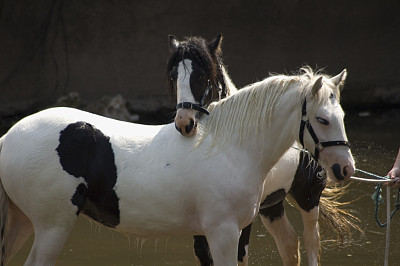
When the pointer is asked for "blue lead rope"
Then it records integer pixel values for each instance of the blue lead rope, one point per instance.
(377, 198)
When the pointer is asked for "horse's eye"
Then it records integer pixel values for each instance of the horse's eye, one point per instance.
(322, 121)
(202, 76)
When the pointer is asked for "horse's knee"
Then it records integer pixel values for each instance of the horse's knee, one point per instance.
(311, 236)
(285, 238)
(223, 241)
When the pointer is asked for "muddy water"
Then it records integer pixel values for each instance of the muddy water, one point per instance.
(375, 140)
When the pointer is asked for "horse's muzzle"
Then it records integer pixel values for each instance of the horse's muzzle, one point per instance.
(188, 129)
(186, 122)
(340, 174)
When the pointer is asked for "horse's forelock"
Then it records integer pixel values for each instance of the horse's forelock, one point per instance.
(310, 77)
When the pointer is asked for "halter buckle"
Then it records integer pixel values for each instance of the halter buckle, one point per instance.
(319, 146)
(186, 105)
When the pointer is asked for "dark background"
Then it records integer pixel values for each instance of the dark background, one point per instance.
(50, 48)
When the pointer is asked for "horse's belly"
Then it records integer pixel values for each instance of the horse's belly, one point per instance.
(150, 218)
(147, 226)
(156, 208)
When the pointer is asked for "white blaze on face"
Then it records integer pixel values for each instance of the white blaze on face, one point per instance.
(185, 118)
(184, 93)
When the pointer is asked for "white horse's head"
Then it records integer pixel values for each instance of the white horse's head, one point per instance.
(194, 71)
(322, 130)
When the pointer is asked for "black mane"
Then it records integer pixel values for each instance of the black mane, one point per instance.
(197, 49)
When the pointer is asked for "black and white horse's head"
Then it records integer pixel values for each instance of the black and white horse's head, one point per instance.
(194, 73)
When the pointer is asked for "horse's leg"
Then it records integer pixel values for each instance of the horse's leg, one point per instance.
(223, 241)
(49, 241)
(203, 255)
(243, 248)
(306, 190)
(202, 251)
(18, 230)
(276, 222)
(311, 235)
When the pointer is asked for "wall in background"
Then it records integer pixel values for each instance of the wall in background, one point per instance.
(50, 48)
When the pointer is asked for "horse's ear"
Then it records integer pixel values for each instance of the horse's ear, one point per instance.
(215, 45)
(339, 80)
(317, 86)
(173, 43)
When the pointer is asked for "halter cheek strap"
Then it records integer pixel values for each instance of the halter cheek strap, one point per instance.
(319, 146)
(197, 106)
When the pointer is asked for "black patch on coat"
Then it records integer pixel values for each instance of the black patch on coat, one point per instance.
(244, 241)
(272, 207)
(202, 251)
(307, 186)
(84, 151)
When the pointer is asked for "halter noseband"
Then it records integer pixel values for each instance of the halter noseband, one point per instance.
(198, 107)
(319, 146)
(194, 106)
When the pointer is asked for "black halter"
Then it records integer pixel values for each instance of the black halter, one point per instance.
(194, 106)
(198, 107)
(319, 146)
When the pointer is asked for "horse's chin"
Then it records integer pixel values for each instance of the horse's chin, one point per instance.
(190, 134)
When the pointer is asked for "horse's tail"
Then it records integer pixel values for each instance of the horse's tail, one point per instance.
(4, 204)
(337, 216)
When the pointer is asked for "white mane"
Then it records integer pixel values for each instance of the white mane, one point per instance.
(243, 114)
(230, 87)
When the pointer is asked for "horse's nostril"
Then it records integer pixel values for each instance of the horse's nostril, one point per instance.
(344, 171)
(178, 128)
(189, 127)
(337, 171)
(348, 171)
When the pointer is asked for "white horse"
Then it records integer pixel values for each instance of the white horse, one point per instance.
(196, 71)
(149, 181)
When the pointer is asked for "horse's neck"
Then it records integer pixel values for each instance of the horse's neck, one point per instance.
(258, 137)
(280, 133)
(284, 127)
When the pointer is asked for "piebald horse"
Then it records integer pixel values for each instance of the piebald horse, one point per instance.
(197, 74)
(151, 182)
